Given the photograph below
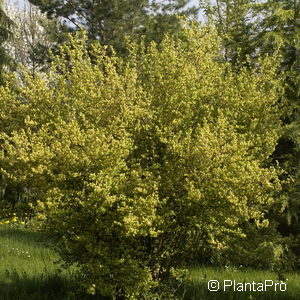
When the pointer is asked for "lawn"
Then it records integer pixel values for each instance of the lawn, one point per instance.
(264, 285)
(28, 270)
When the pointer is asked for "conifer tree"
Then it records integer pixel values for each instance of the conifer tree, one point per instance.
(233, 21)
(110, 21)
(5, 34)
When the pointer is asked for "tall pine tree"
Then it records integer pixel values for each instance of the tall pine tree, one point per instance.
(109, 21)
(233, 19)
(164, 18)
(5, 33)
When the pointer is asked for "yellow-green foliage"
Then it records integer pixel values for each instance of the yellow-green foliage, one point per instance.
(134, 163)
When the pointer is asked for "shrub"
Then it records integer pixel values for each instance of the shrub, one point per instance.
(138, 163)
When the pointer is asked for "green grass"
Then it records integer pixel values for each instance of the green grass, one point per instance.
(28, 271)
(197, 286)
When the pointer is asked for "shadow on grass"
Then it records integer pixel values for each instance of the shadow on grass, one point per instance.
(199, 291)
(54, 287)
(23, 287)
(18, 285)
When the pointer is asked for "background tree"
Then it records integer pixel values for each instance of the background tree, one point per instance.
(110, 21)
(234, 21)
(5, 34)
(33, 35)
(163, 18)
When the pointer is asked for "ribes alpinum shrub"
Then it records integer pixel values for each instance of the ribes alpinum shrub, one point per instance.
(137, 164)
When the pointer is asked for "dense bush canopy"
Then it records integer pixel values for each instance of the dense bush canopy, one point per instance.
(134, 165)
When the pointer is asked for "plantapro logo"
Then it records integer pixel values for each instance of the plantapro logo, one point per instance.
(233, 285)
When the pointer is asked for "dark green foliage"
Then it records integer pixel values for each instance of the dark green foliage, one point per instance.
(110, 21)
(279, 28)
(164, 19)
(234, 21)
(5, 33)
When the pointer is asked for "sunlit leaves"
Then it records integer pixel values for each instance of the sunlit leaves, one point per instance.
(138, 161)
